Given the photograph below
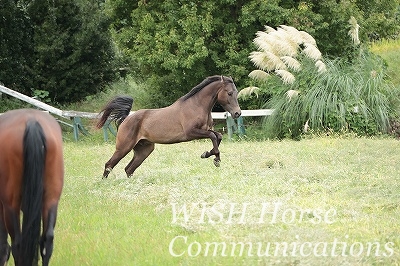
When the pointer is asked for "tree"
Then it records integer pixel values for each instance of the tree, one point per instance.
(61, 50)
(16, 53)
(73, 49)
(380, 18)
(173, 45)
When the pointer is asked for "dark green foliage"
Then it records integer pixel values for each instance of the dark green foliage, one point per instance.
(73, 50)
(61, 47)
(16, 46)
(65, 48)
(173, 45)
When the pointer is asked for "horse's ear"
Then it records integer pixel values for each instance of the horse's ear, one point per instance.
(222, 78)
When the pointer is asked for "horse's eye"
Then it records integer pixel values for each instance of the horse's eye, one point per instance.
(230, 93)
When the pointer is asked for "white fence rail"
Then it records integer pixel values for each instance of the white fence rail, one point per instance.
(75, 116)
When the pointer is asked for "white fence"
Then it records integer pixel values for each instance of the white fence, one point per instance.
(77, 125)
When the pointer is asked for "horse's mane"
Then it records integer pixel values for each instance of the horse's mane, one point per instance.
(203, 84)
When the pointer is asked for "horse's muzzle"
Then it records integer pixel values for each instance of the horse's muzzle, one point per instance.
(237, 114)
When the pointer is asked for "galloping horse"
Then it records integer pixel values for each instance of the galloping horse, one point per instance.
(31, 180)
(189, 118)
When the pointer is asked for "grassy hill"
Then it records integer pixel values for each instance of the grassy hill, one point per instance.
(389, 50)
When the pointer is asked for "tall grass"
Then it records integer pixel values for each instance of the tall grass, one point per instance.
(318, 93)
(346, 97)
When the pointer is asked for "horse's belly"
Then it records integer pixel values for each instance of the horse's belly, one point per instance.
(166, 134)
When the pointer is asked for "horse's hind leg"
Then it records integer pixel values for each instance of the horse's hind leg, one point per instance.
(4, 246)
(115, 158)
(141, 151)
(46, 241)
(13, 225)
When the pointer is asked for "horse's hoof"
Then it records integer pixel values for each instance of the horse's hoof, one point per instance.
(107, 171)
(204, 155)
(217, 162)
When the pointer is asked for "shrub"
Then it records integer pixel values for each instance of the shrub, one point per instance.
(333, 95)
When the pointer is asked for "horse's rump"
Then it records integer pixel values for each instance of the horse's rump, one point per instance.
(31, 163)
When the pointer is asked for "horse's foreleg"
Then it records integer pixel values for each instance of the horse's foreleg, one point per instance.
(46, 241)
(141, 151)
(4, 246)
(216, 139)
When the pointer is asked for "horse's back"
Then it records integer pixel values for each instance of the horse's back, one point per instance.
(13, 124)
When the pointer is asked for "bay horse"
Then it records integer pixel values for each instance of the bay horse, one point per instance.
(188, 118)
(31, 181)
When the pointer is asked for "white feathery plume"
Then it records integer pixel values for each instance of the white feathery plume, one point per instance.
(306, 126)
(294, 34)
(262, 44)
(282, 46)
(286, 76)
(263, 35)
(259, 75)
(312, 51)
(278, 49)
(353, 32)
(291, 63)
(307, 38)
(266, 61)
(292, 93)
(269, 29)
(291, 45)
(247, 92)
(276, 61)
(320, 66)
(259, 60)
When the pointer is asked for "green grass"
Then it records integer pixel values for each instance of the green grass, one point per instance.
(389, 50)
(121, 221)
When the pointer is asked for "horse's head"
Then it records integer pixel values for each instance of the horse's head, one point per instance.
(227, 97)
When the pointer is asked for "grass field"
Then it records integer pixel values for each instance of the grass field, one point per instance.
(389, 51)
(321, 201)
(318, 201)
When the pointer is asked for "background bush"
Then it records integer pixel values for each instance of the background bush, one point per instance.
(346, 98)
(173, 45)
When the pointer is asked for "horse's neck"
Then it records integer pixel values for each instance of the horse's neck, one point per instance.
(207, 97)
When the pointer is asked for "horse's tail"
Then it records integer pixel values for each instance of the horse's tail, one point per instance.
(117, 109)
(34, 153)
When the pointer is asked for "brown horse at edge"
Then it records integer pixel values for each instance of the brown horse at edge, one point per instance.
(187, 119)
(31, 180)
